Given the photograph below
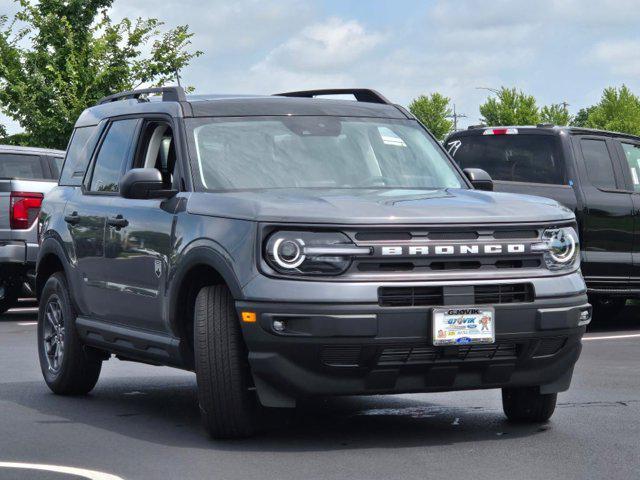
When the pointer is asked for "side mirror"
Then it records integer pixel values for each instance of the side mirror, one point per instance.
(480, 179)
(144, 183)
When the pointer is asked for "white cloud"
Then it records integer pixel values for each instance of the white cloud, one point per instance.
(620, 56)
(330, 46)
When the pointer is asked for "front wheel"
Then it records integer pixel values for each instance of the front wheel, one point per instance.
(227, 404)
(65, 365)
(528, 405)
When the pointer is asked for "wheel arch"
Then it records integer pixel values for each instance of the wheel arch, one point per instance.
(201, 266)
(51, 259)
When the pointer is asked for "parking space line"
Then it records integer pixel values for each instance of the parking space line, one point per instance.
(27, 324)
(613, 337)
(79, 472)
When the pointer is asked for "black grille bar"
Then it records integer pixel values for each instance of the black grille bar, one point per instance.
(434, 296)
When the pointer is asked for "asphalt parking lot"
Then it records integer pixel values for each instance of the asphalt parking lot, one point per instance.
(141, 422)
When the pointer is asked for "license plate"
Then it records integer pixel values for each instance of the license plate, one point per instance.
(463, 325)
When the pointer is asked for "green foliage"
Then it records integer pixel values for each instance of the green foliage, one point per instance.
(581, 118)
(433, 111)
(618, 111)
(510, 107)
(57, 57)
(556, 113)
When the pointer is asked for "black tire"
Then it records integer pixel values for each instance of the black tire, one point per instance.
(76, 372)
(607, 308)
(227, 404)
(528, 405)
(9, 298)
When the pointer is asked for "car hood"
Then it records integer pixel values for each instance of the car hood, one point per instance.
(376, 206)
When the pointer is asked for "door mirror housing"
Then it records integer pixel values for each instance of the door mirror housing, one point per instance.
(144, 183)
(480, 179)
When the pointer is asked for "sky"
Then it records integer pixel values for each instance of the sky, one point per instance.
(559, 51)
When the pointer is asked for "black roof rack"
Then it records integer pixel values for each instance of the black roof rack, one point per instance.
(546, 125)
(169, 94)
(361, 94)
(474, 127)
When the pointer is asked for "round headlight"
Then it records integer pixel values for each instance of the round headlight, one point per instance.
(562, 247)
(287, 253)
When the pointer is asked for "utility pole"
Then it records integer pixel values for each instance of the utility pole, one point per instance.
(178, 78)
(455, 115)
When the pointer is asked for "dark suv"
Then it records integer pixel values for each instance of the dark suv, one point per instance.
(592, 172)
(288, 246)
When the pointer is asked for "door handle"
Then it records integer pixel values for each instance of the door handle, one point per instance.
(118, 222)
(72, 219)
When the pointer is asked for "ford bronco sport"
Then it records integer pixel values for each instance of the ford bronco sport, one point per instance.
(288, 246)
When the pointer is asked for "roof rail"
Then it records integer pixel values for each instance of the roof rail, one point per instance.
(361, 94)
(546, 125)
(474, 127)
(169, 94)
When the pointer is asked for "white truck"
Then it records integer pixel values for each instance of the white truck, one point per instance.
(26, 175)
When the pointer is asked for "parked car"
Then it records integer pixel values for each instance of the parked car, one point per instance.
(26, 174)
(290, 246)
(592, 172)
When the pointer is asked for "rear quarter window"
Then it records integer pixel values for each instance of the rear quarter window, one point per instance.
(513, 158)
(26, 167)
(78, 155)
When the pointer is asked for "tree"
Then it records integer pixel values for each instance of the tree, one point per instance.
(618, 111)
(556, 113)
(510, 107)
(581, 118)
(433, 111)
(57, 57)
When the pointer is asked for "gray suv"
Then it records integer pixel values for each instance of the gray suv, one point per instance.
(288, 246)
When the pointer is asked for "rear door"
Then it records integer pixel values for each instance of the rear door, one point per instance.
(528, 161)
(86, 214)
(608, 217)
(629, 152)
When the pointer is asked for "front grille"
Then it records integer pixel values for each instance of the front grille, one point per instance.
(503, 293)
(434, 296)
(410, 296)
(399, 356)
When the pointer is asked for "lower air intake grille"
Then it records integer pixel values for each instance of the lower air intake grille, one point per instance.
(398, 356)
(341, 356)
(549, 346)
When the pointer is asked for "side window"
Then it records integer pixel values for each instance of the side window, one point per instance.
(632, 155)
(78, 156)
(112, 156)
(156, 149)
(597, 162)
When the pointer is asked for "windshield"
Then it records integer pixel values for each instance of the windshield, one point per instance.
(317, 152)
(513, 158)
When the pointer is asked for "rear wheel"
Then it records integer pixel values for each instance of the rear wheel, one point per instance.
(528, 405)
(67, 368)
(227, 404)
(8, 297)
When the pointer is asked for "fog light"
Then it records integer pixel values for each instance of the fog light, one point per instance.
(279, 325)
(585, 317)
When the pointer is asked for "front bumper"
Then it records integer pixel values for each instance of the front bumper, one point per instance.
(348, 349)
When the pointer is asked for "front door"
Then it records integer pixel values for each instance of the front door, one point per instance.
(629, 151)
(607, 230)
(139, 238)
